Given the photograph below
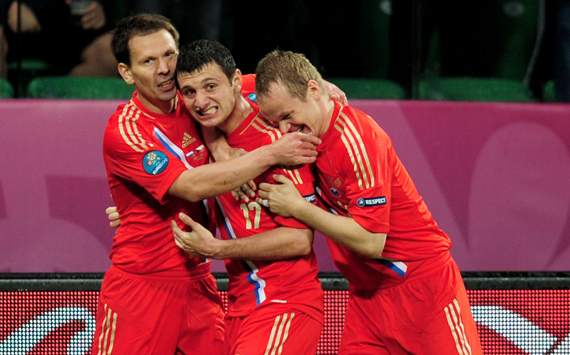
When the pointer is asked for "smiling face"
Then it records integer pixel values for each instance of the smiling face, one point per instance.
(290, 93)
(292, 113)
(209, 94)
(152, 69)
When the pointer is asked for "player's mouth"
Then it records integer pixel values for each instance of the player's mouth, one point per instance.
(207, 112)
(166, 85)
(300, 128)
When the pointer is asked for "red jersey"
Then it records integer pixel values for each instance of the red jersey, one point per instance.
(256, 283)
(144, 152)
(361, 176)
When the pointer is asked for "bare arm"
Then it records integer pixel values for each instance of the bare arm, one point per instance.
(279, 243)
(214, 179)
(285, 200)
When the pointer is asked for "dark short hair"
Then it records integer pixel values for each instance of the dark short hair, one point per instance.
(202, 52)
(138, 25)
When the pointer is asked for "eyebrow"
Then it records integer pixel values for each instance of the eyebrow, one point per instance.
(210, 78)
(145, 58)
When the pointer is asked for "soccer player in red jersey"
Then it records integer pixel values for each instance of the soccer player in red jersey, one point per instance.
(275, 297)
(154, 298)
(407, 294)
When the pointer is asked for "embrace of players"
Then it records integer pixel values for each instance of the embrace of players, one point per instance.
(158, 296)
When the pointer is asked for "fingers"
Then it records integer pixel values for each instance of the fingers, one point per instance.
(113, 216)
(91, 21)
(310, 138)
(340, 97)
(175, 229)
(179, 234)
(264, 188)
(245, 192)
(239, 195)
(284, 126)
(94, 17)
(192, 224)
(246, 189)
(252, 185)
(304, 160)
(187, 220)
(263, 195)
(281, 179)
(308, 152)
(177, 242)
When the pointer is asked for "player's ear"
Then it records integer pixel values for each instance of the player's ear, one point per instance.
(314, 89)
(236, 80)
(125, 73)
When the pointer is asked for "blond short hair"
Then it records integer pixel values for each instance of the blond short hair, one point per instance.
(293, 70)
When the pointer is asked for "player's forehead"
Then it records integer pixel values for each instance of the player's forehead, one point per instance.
(152, 44)
(206, 73)
(276, 101)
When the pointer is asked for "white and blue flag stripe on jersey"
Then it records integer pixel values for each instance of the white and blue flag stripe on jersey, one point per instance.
(398, 267)
(253, 277)
(177, 152)
(171, 147)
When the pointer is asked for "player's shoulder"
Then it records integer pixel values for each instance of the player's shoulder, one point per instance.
(258, 131)
(360, 123)
(123, 130)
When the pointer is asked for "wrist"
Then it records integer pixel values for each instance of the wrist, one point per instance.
(217, 249)
(269, 156)
(299, 208)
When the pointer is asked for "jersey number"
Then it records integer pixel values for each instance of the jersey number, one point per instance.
(247, 209)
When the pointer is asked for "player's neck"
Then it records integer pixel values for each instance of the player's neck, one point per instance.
(242, 109)
(158, 106)
(327, 116)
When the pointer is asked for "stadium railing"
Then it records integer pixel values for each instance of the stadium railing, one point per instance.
(360, 88)
(515, 312)
(475, 89)
(75, 87)
(6, 90)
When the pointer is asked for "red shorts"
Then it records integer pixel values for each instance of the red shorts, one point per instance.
(425, 315)
(140, 314)
(273, 329)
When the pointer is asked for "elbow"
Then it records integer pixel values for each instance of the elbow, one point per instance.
(375, 246)
(304, 246)
(193, 193)
(185, 187)
(304, 249)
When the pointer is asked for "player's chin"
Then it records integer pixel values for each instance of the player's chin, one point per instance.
(207, 121)
(166, 95)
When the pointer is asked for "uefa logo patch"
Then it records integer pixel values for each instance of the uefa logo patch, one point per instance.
(371, 202)
(155, 162)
